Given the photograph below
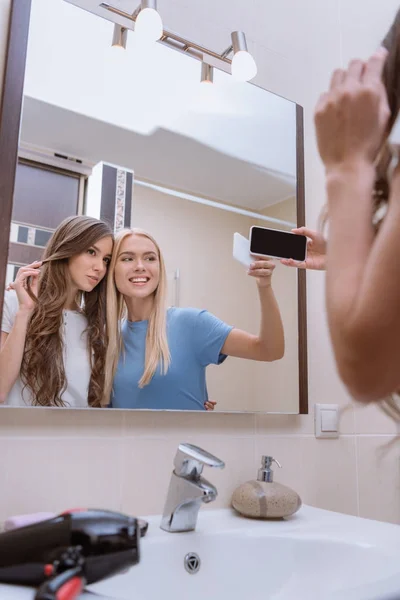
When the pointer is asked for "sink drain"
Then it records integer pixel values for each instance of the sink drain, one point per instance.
(192, 563)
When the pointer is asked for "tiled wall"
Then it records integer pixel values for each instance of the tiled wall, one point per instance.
(53, 459)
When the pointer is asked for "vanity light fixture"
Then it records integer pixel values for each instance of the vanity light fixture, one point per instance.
(243, 67)
(207, 73)
(120, 37)
(148, 23)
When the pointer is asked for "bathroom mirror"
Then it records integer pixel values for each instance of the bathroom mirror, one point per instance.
(133, 137)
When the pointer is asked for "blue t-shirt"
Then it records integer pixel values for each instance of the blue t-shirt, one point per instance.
(195, 339)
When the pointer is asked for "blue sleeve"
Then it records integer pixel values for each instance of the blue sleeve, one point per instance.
(210, 334)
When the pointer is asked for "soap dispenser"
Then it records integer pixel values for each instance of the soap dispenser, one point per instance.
(265, 499)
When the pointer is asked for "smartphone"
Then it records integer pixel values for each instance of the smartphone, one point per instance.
(241, 250)
(277, 244)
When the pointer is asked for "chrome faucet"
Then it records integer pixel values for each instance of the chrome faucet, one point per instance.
(188, 489)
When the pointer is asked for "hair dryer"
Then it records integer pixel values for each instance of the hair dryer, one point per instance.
(63, 554)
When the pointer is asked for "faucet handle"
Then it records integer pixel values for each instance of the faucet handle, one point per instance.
(190, 460)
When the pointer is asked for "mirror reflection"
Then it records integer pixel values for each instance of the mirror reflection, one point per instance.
(133, 178)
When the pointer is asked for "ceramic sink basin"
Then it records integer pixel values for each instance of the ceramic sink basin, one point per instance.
(314, 554)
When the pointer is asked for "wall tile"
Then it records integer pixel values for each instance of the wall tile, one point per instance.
(379, 477)
(189, 424)
(329, 474)
(58, 474)
(54, 423)
(371, 419)
(146, 469)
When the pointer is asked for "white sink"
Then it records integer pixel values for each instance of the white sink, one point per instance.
(316, 554)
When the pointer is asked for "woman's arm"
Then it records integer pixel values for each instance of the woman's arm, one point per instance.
(269, 344)
(13, 342)
(363, 285)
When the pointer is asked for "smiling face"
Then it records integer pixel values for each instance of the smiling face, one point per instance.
(137, 268)
(88, 268)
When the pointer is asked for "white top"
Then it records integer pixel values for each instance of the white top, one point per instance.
(76, 357)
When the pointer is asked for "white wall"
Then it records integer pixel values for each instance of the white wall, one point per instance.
(93, 192)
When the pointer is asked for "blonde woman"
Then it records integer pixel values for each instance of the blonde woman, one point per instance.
(158, 357)
(53, 335)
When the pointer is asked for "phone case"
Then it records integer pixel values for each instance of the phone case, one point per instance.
(271, 255)
(241, 250)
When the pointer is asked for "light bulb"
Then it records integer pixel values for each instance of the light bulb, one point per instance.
(243, 66)
(149, 25)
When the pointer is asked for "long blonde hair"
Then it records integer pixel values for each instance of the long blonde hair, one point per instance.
(157, 350)
(42, 368)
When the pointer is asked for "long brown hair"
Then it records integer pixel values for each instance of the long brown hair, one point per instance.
(157, 350)
(42, 368)
(391, 82)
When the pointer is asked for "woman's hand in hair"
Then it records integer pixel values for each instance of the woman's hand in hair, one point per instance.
(20, 285)
(316, 251)
(351, 118)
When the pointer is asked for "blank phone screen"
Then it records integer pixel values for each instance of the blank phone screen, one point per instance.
(278, 243)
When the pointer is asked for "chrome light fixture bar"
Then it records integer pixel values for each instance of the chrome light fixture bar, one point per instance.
(179, 43)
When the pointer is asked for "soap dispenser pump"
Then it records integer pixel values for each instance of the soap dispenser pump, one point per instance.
(266, 473)
(264, 498)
